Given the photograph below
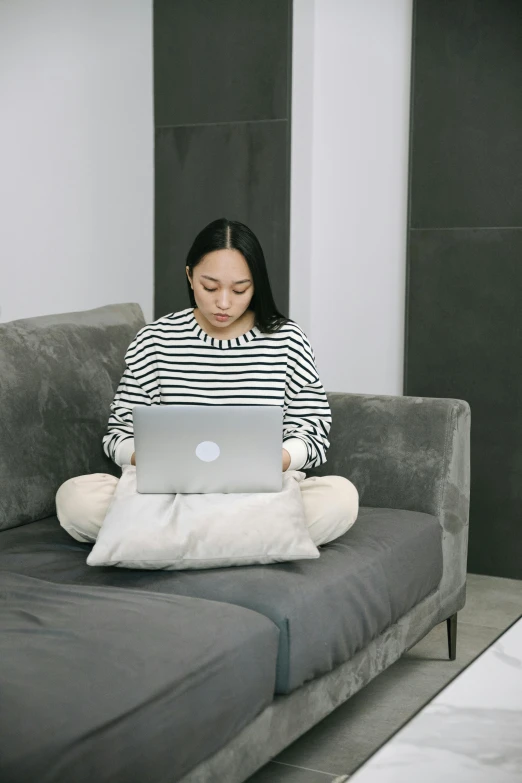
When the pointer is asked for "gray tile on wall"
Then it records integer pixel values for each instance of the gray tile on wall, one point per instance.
(238, 171)
(464, 340)
(218, 61)
(466, 157)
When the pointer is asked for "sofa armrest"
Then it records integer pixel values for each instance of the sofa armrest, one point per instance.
(410, 453)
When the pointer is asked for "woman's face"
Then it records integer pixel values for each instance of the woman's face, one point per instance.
(223, 287)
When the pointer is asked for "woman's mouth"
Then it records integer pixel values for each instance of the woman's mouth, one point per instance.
(222, 318)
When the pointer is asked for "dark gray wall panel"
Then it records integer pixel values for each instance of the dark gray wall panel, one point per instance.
(465, 341)
(222, 95)
(220, 60)
(204, 172)
(464, 267)
(466, 164)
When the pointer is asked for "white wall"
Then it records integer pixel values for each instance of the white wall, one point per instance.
(76, 162)
(349, 188)
(76, 155)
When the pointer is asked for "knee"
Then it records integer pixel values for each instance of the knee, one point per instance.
(331, 507)
(346, 499)
(82, 503)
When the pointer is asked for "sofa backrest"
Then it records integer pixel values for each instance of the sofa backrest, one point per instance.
(58, 377)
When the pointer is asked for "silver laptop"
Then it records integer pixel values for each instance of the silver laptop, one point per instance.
(208, 448)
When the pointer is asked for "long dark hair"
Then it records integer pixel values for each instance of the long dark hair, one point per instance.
(231, 235)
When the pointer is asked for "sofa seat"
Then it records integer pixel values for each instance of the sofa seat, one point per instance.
(113, 685)
(326, 609)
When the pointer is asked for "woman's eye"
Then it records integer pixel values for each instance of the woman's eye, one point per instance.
(215, 289)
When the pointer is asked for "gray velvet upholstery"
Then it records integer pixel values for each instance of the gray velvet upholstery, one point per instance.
(407, 456)
(410, 453)
(171, 673)
(326, 609)
(290, 716)
(58, 376)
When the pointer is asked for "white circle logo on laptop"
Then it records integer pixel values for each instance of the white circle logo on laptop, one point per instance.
(208, 451)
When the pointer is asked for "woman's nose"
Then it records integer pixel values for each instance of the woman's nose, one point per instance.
(223, 301)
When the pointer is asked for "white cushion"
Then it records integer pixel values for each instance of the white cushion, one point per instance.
(176, 532)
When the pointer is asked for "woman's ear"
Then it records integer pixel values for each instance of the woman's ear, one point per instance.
(187, 270)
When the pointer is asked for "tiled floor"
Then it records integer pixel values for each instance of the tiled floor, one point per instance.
(330, 751)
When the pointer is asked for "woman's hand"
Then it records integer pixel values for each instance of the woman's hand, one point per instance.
(133, 458)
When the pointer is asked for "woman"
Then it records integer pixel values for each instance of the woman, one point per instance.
(232, 346)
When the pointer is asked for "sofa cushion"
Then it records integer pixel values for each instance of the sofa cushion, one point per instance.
(326, 609)
(114, 685)
(198, 530)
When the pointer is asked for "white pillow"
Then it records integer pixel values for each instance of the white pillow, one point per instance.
(177, 532)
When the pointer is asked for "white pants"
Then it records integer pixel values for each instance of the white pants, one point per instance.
(331, 505)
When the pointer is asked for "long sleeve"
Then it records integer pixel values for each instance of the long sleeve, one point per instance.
(173, 362)
(118, 442)
(306, 415)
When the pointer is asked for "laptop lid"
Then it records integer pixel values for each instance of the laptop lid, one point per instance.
(208, 448)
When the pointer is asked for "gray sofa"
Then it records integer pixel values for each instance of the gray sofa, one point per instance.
(128, 676)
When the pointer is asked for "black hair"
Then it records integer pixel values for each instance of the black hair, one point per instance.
(230, 234)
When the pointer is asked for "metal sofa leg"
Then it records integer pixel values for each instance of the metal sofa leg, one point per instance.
(451, 624)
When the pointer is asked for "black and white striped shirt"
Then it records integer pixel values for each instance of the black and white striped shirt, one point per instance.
(173, 361)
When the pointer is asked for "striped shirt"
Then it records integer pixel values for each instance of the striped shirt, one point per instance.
(173, 361)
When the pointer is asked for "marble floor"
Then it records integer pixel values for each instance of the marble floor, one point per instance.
(330, 751)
